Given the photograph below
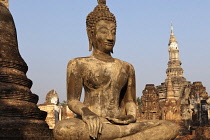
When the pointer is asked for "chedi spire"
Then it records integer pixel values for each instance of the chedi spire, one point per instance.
(20, 118)
(172, 36)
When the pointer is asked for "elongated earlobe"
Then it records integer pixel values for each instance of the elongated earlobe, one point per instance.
(90, 44)
(90, 39)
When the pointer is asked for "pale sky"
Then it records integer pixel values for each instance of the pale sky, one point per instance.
(52, 32)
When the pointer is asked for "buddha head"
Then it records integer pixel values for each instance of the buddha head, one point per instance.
(52, 97)
(101, 28)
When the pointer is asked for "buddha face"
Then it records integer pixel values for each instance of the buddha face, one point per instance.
(105, 36)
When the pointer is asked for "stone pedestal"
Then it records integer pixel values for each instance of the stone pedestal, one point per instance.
(52, 113)
(20, 118)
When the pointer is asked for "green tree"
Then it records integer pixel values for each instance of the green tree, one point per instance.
(64, 103)
(139, 101)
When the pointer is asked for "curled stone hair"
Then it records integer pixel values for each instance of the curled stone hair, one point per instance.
(100, 12)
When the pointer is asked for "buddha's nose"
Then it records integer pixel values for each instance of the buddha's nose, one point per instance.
(110, 37)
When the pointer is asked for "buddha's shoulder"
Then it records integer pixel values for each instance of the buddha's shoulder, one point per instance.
(87, 60)
(79, 60)
(124, 63)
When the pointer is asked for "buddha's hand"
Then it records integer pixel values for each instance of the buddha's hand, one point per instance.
(93, 121)
(123, 120)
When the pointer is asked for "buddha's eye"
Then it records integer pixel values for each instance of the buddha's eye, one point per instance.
(114, 32)
(103, 31)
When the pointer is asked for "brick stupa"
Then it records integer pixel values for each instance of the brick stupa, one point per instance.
(20, 117)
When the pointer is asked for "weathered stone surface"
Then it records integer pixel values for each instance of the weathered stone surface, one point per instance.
(170, 107)
(202, 133)
(198, 91)
(150, 108)
(149, 130)
(14, 128)
(109, 108)
(20, 117)
(166, 130)
(198, 104)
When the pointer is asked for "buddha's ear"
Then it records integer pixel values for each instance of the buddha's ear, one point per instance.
(89, 33)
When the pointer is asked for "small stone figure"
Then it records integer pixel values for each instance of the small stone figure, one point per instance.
(109, 110)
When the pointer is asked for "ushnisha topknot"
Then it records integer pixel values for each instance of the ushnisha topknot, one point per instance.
(101, 1)
(100, 12)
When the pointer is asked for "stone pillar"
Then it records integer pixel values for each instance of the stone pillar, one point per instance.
(20, 117)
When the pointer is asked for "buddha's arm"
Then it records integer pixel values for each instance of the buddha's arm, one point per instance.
(130, 96)
(128, 102)
(74, 90)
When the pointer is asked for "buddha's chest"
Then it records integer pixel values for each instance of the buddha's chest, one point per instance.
(99, 74)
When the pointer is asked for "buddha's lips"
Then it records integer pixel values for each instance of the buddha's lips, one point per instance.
(109, 43)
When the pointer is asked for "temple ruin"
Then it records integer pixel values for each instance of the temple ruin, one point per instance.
(178, 100)
(55, 110)
(150, 103)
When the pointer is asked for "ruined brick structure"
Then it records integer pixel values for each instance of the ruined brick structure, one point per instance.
(198, 104)
(198, 91)
(20, 118)
(150, 103)
(52, 114)
(170, 107)
(52, 107)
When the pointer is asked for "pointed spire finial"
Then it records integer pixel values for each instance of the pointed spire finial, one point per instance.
(172, 29)
(101, 2)
(172, 36)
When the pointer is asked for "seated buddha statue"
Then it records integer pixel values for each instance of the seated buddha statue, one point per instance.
(109, 107)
